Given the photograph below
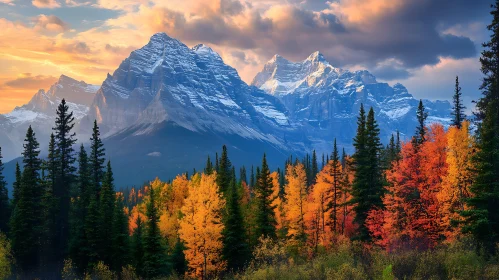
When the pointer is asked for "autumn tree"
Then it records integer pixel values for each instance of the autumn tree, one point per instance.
(456, 183)
(201, 226)
(295, 205)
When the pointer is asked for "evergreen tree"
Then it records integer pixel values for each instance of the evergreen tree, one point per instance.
(155, 263)
(64, 153)
(367, 188)
(242, 175)
(78, 244)
(106, 211)
(209, 167)
(235, 249)
(120, 240)
(315, 167)
(458, 107)
(265, 217)
(179, 262)
(252, 177)
(25, 222)
(92, 233)
(481, 217)
(224, 171)
(96, 159)
(334, 196)
(16, 186)
(4, 199)
(421, 115)
(138, 247)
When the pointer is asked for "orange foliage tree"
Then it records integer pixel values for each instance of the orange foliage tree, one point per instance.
(277, 204)
(201, 226)
(455, 185)
(295, 205)
(411, 216)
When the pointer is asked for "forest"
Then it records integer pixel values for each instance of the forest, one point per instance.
(424, 208)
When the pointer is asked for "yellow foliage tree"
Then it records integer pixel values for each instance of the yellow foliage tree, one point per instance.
(455, 185)
(295, 206)
(277, 203)
(201, 226)
(173, 197)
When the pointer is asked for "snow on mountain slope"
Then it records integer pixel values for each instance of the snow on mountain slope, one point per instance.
(328, 99)
(167, 81)
(40, 113)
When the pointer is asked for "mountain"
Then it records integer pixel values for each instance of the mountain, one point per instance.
(40, 113)
(168, 106)
(327, 99)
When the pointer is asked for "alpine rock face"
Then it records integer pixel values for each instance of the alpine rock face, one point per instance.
(169, 106)
(326, 100)
(40, 113)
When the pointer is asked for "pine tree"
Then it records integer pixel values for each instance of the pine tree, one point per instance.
(106, 211)
(458, 107)
(315, 167)
(96, 159)
(224, 171)
(25, 222)
(4, 199)
(235, 248)
(179, 263)
(421, 115)
(334, 194)
(155, 263)
(138, 247)
(242, 175)
(120, 239)
(367, 189)
(78, 243)
(265, 219)
(16, 186)
(92, 233)
(209, 166)
(64, 141)
(252, 177)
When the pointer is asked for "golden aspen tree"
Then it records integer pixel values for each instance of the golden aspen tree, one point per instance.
(295, 206)
(456, 183)
(201, 226)
(174, 195)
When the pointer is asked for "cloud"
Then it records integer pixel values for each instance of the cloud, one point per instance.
(27, 80)
(50, 23)
(50, 4)
(7, 2)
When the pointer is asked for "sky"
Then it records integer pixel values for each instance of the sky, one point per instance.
(422, 44)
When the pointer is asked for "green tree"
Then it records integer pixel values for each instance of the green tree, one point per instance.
(78, 243)
(4, 199)
(482, 217)
(16, 186)
(235, 248)
(155, 262)
(120, 242)
(138, 247)
(179, 262)
(458, 107)
(106, 211)
(209, 167)
(224, 171)
(265, 217)
(367, 188)
(96, 159)
(421, 116)
(25, 222)
(65, 158)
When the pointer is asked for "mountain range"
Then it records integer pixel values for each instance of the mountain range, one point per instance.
(167, 107)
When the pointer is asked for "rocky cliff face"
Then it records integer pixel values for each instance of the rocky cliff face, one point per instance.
(326, 99)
